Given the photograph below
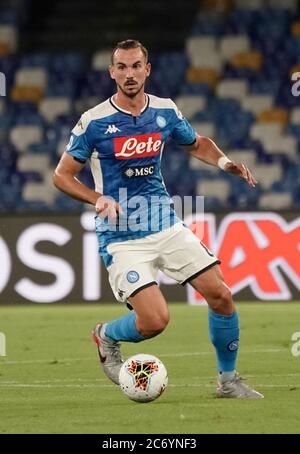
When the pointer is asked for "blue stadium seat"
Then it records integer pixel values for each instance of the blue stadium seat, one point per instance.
(72, 63)
(242, 196)
(71, 75)
(42, 60)
(209, 24)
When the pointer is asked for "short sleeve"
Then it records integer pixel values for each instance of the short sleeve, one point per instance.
(79, 145)
(183, 133)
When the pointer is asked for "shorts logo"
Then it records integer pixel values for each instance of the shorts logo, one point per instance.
(145, 171)
(132, 277)
(161, 121)
(140, 146)
(233, 345)
(121, 293)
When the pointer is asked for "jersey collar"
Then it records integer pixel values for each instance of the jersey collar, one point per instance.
(127, 111)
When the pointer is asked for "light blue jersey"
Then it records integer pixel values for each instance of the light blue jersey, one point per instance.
(125, 152)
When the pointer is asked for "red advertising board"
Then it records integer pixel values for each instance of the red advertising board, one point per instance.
(259, 251)
(54, 258)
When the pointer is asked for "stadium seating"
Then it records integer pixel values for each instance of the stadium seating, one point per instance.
(232, 81)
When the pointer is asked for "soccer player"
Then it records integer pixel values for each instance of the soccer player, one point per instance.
(139, 233)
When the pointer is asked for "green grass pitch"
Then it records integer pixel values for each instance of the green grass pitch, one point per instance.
(51, 382)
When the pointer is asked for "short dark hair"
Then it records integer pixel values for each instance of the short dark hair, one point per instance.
(129, 44)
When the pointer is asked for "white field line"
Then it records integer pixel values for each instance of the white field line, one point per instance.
(166, 355)
(95, 381)
(98, 385)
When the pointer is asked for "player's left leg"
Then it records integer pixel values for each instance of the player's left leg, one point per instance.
(224, 332)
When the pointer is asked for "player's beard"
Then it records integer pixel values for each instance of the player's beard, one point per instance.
(131, 95)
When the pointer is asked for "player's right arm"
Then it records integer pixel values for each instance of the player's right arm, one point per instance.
(65, 179)
(78, 151)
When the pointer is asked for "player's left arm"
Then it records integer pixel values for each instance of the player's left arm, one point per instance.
(207, 151)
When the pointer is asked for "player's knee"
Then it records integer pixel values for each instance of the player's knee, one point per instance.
(153, 327)
(222, 302)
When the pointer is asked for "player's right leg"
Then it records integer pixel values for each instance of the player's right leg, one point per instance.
(151, 311)
(149, 318)
(132, 273)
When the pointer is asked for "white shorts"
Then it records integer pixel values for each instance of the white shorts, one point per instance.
(175, 251)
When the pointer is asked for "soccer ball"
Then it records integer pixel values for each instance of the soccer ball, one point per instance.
(143, 378)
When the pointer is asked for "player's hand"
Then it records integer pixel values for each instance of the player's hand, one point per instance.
(107, 207)
(241, 170)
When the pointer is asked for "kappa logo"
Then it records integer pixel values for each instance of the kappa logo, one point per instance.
(121, 293)
(139, 146)
(112, 129)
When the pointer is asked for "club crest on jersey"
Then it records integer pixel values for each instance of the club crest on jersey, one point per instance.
(139, 146)
(161, 121)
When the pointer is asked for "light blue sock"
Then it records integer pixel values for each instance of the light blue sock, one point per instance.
(224, 333)
(124, 329)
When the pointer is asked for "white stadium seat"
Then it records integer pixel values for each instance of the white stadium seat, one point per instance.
(190, 104)
(257, 103)
(41, 192)
(253, 5)
(203, 52)
(197, 44)
(265, 131)
(9, 36)
(295, 116)
(33, 163)
(31, 76)
(247, 157)
(23, 136)
(275, 201)
(231, 45)
(214, 188)
(101, 60)
(290, 5)
(51, 108)
(284, 145)
(232, 88)
(205, 59)
(204, 128)
(267, 174)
